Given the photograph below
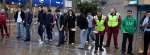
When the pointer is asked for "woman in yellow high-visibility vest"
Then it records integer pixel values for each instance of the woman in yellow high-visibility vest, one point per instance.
(100, 26)
(113, 26)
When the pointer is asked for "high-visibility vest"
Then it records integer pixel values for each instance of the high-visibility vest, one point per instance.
(113, 21)
(100, 24)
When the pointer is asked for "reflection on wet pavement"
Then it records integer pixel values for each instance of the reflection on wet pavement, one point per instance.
(14, 47)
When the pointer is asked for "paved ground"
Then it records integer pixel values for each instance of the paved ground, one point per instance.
(14, 47)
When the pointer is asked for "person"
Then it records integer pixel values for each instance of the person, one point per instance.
(60, 21)
(71, 26)
(82, 23)
(41, 21)
(128, 28)
(28, 21)
(146, 25)
(100, 27)
(20, 19)
(90, 26)
(48, 25)
(3, 17)
(113, 26)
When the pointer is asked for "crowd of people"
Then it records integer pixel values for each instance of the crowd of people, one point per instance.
(89, 25)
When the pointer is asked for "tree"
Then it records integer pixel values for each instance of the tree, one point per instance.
(86, 7)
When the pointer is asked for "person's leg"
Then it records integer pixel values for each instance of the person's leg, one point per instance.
(6, 30)
(101, 42)
(146, 41)
(109, 34)
(48, 31)
(40, 31)
(83, 37)
(97, 41)
(27, 33)
(130, 40)
(88, 34)
(70, 37)
(18, 30)
(124, 40)
(23, 31)
(61, 38)
(2, 32)
(115, 36)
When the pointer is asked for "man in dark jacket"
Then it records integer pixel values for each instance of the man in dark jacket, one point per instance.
(48, 25)
(83, 25)
(19, 19)
(60, 26)
(28, 21)
(41, 20)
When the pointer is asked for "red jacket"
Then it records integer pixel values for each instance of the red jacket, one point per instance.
(3, 18)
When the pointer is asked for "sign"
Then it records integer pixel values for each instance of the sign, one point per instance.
(56, 3)
(68, 3)
(16, 1)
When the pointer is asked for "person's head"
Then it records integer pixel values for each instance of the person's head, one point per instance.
(89, 13)
(99, 13)
(57, 11)
(148, 13)
(129, 12)
(19, 9)
(49, 10)
(113, 10)
(2, 10)
(70, 12)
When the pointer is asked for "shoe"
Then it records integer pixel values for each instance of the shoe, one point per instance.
(51, 40)
(81, 48)
(130, 53)
(27, 40)
(123, 53)
(106, 46)
(101, 49)
(41, 42)
(95, 51)
(116, 47)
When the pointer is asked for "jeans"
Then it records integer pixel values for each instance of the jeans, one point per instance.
(146, 41)
(28, 32)
(49, 31)
(99, 41)
(20, 30)
(83, 38)
(61, 37)
(130, 40)
(40, 31)
(89, 33)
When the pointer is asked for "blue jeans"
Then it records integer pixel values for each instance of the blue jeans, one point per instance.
(61, 37)
(20, 30)
(89, 33)
(28, 32)
(83, 38)
(40, 31)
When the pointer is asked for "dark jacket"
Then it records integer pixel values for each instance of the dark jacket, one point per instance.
(82, 22)
(49, 19)
(60, 21)
(28, 19)
(42, 17)
(71, 21)
(22, 15)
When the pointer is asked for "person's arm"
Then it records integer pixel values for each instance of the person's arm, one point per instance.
(119, 20)
(123, 25)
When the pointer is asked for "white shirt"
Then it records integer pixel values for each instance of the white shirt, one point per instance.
(145, 22)
(19, 19)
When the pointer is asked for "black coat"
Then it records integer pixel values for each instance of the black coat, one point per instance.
(22, 16)
(82, 22)
(42, 17)
(71, 21)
